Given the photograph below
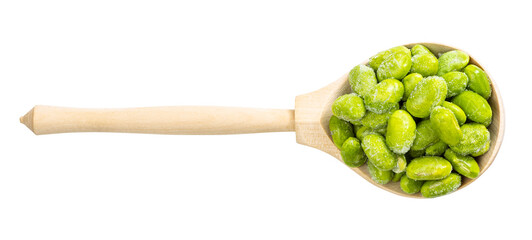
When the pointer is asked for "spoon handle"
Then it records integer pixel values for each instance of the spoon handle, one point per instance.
(184, 120)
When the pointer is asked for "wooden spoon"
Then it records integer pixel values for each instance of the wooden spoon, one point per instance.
(310, 121)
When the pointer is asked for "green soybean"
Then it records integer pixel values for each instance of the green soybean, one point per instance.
(458, 112)
(446, 126)
(419, 49)
(401, 164)
(478, 81)
(400, 132)
(340, 130)
(428, 93)
(431, 189)
(428, 168)
(352, 153)
(376, 60)
(410, 186)
(409, 83)
(397, 176)
(474, 139)
(384, 96)
(436, 149)
(456, 83)
(475, 107)
(425, 64)
(362, 80)
(483, 150)
(378, 175)
(465, 165)
(378, 153)
(364, 131)
(452, 61)
(377, 121)
(425, 136)
(349, 107)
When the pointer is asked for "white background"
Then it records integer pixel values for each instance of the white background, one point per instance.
(236, 53)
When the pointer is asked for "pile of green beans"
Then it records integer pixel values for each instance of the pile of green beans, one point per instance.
(415, 118)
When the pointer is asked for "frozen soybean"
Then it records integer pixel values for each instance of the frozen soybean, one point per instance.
(465, 165)
(436, 149)
(475, 107)
(352, 153)
(378, 153)
(428, 168)
(375, 61)
(377, 121)
(452, 61)
(458, 112)
(340, 130)
(425, 64)
(419, 49)
(379, 176)
(397, 176)
(456, 83)
(446, 126)
(474, 139)
(349, 107)
(410, 186)
(364, 131)
(410, 82)
(384, 96)
(362, 80)
(478, 81)
(400, 132)
(401, 164)
(425, 136)
(436, 188)
(428, 93)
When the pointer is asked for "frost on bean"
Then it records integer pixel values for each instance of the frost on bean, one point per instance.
(384, 96)
(349, 107)
(456, 83)
(340, 130)
(437, 188)
(428, 168)
(446, 126)
(474, 139)
(410, 82)
(396, 65)
(378, 175)
(364, 131)
(362, 80)
(377, 121)
(428, 93)
(378, 153)
(423, 61)
(452, 61)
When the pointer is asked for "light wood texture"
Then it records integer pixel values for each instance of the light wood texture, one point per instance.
(185, 120)
(310, 120)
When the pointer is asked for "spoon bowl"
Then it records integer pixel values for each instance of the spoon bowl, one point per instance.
(313, 111)
(309, 119)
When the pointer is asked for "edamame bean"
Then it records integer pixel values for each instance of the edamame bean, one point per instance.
(379, 176)
(414, 153)
(475, 107)
(431, 189)
(452, 61)
(377, 121)
(375, 61)
(483, 150)
(401, 164)
(384, 96)
(396, 65)
(349, 107)
(409, 83)
(428, 168)
(458, 112)
(428, 93)
(364, 131)
(378, 153)
(397, 176)
(474, 139)
(419, 49)
(436, 149)
(340, 130)
(446, 126)
(400, 132)
(456, 83)
(352, 153)
(425, 64)
(425, 136)
(362, 80)
(464, 165)
(478, 81)
(410, 186)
